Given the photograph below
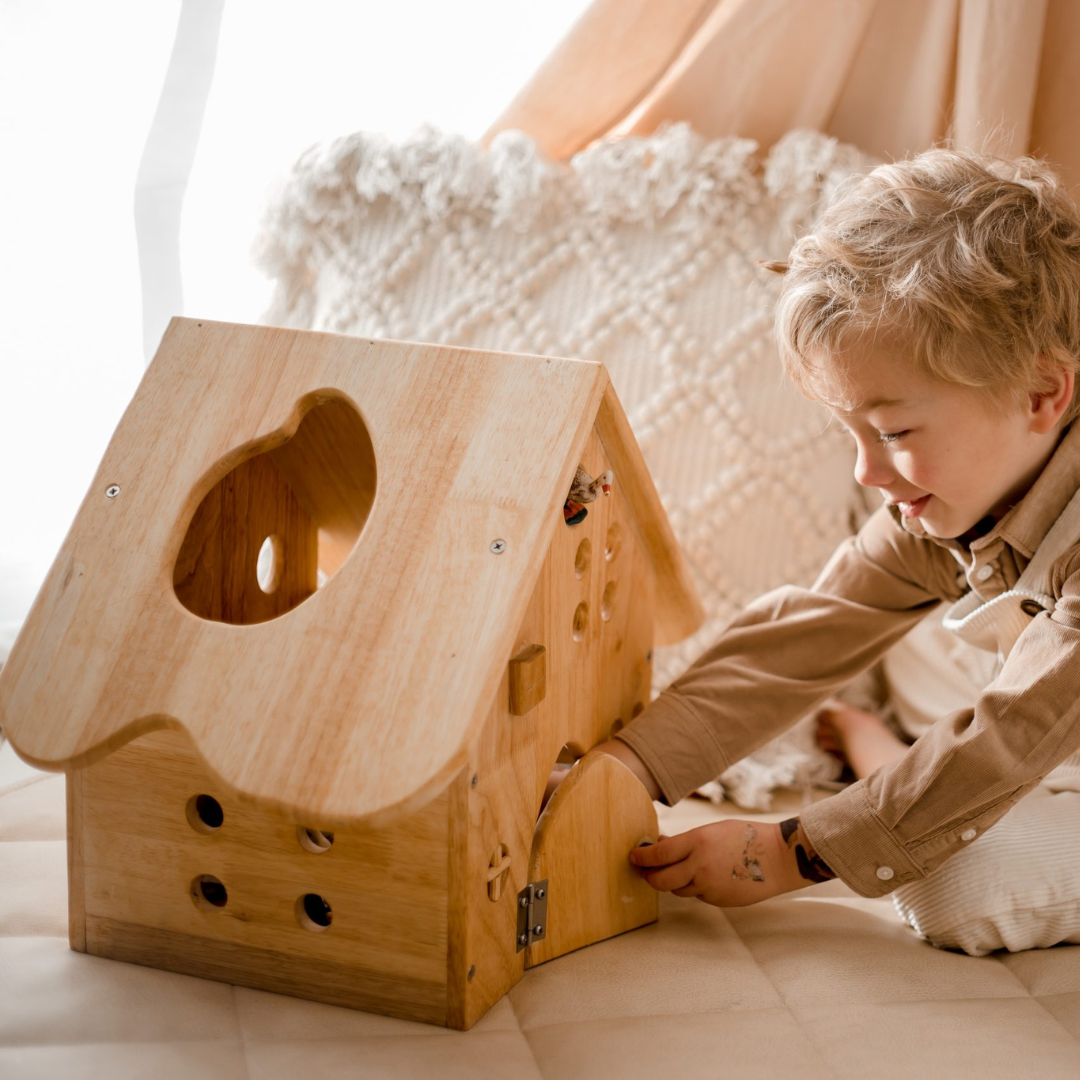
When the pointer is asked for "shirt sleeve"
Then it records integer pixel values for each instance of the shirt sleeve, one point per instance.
(907, 818)
(787, 652)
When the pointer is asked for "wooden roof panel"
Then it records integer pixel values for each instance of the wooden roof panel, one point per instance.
(359, 702)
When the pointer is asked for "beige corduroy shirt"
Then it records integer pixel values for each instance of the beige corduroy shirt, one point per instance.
(791, 649)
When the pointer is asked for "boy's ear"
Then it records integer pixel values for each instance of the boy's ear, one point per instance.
(1048, 407)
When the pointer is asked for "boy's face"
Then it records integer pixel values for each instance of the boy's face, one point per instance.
(940, 453)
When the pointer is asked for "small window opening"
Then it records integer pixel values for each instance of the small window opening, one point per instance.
(313, 912)
(317, 841)
(204, 813)
(581, 621)
(207, 891)
(268, 565)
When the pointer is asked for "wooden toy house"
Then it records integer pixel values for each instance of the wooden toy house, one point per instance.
(316, 638)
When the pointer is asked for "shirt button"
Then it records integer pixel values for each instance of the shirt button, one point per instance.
(884, 872)
(984, 572)
(968, 834)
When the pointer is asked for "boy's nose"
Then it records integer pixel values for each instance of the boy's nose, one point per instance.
(872, 468)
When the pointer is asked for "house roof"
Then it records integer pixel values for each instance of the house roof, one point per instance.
(360, 702)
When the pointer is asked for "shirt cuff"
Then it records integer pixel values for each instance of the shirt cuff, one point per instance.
(675, 746)
(846, 832)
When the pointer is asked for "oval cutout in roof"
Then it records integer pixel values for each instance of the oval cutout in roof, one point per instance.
(312, 495)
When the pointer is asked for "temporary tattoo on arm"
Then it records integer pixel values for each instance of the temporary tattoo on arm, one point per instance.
(811, 865)
(750, 868)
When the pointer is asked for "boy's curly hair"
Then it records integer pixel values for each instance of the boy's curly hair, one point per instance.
(971, 261)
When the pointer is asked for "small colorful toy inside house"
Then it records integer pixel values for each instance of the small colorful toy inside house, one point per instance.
(308, 660)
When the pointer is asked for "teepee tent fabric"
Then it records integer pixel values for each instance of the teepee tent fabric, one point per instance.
(888, 76)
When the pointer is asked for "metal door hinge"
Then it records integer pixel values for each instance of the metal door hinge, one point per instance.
(532, 913)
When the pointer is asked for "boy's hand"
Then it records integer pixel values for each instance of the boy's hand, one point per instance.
(728, 863)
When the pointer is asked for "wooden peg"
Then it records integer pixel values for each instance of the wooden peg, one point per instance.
(528, 679)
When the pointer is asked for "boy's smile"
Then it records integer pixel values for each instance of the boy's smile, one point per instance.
(937, 449)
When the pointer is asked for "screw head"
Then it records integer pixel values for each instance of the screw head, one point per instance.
(541, 893)
(498, 546)
(523, 939)
(537, 930)
(523, 902)
(112, 491)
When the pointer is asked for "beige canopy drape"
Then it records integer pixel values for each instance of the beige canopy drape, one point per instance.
(890, 76)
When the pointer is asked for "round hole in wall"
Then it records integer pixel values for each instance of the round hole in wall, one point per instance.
(607, 601)
(582, 558)
(317, 841)
(613, 542)
(570, 753)
(581, 621)
(208, 892)
(268, 564)
(204, 813)
(313, 912)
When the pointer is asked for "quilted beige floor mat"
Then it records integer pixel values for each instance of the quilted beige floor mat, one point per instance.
(822, 983)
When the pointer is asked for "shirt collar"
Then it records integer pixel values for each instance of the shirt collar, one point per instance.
(1025, 523)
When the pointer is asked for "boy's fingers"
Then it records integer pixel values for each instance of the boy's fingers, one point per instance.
(671, 878)
(670, 849)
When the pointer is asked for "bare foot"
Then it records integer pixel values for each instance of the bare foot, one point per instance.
(858, 738)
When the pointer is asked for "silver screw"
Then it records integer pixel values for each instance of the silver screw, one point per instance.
(523, 902)
(112, 491)
(523, 939)
(498, 546)
(537, 930)
(540, 894)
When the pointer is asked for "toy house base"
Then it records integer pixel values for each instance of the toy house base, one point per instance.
(333, 790)
(398, 932)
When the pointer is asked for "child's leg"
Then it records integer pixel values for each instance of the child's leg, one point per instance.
(861, 738)
(1016, 887)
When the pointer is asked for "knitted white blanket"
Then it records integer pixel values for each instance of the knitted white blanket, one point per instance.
(641, 253)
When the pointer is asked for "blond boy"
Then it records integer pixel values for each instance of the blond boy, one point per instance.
(935, 310)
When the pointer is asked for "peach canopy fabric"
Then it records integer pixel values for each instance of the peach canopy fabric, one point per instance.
(889, 76)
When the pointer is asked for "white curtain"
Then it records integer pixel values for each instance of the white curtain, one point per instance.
(144, 137)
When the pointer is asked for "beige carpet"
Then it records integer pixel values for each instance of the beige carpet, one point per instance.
(822, 983)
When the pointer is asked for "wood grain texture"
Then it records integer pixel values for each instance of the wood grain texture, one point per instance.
(387, 888)
(528, 679)
(594, 683)
(415, 929)
(364, 701)
(215, 572)
(76, 886)
(319, 979)
(596, 816)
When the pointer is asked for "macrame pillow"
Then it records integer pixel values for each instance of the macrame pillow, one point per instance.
(641, 253)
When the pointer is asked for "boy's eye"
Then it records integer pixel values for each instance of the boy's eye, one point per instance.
(883, 437)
